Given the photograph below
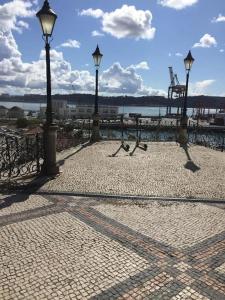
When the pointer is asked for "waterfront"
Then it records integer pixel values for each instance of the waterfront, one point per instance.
(144, 110)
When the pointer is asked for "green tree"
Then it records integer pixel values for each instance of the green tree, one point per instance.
(22, 123)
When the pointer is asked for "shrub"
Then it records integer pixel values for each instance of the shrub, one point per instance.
(22, 123)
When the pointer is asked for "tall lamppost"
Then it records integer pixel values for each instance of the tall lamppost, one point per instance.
(97, 56)
(183, 138)
(47, 18)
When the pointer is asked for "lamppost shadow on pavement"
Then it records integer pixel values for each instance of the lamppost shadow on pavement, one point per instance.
(190, 165)
(83, 146)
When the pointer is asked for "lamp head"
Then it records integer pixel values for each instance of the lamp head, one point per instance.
(47, 18)
(188, 61)
(97, 56)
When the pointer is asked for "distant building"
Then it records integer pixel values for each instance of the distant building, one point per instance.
(59, 108)
(62, 111)
(86, 111)
(3, 111)
(15, 112)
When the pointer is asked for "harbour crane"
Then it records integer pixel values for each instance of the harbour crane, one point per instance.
(175, 89)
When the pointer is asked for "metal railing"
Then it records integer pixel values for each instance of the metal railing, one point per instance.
(208, 138)
(66, 140)
(23, 155)
(156, 131)
(20, 156)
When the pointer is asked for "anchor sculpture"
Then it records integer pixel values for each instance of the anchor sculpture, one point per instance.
(123, 146)
(138, 144)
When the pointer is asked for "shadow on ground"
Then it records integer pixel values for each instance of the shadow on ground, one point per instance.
(83, 146)
(190, 165)
(20, 189)
(21, 192)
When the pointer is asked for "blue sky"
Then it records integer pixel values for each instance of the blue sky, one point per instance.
(139, 39)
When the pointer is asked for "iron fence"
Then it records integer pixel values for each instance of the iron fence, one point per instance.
(150, 131)
(208, 138)
(66, 140)
(212, 138)
(23, 155)
(20, 156)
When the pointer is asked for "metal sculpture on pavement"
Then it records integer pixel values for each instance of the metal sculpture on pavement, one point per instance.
(138, 144)
(123, 146)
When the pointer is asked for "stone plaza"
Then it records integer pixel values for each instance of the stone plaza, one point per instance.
(150, 226)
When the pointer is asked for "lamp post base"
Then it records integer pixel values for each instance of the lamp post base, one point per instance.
(95, 136)
(49, 167)
(183, 135)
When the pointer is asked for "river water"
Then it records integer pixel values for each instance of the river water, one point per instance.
(148, 111)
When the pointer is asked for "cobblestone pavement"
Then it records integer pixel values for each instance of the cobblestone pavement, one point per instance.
(165, 169)
(67, 247)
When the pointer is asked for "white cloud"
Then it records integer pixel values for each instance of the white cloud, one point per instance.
(8, 46)
(221, 50)
(177, 4)
(142, 65)
(125, 22)
(55, 55)
(21, 25)
(206, 41)
(70, 44)
(96, 33)
(218, 19)
(11, 11)
(179, 54)
(19, 77)
(120, 80)
(200, 87)
(95, 13)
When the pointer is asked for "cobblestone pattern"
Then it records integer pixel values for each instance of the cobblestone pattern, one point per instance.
(177, 224)
(72, 251)
(163, 170)
(65, 254)
(21, 203)
(189, 268)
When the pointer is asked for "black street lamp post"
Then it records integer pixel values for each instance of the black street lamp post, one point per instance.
(183, 138)
(47, 18)
(97, 56)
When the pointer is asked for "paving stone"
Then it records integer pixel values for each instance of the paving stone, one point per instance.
(221, 269)
(108, 249)
(179, 225)
(11, 204)
(160, 171)
(82, 252)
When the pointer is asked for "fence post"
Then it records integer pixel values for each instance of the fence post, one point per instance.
(89, 128)
(27, 146)
(38, 153)
(8, 156)
(222, 148)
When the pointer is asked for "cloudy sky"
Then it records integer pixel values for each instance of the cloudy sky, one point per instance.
(139, 39)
